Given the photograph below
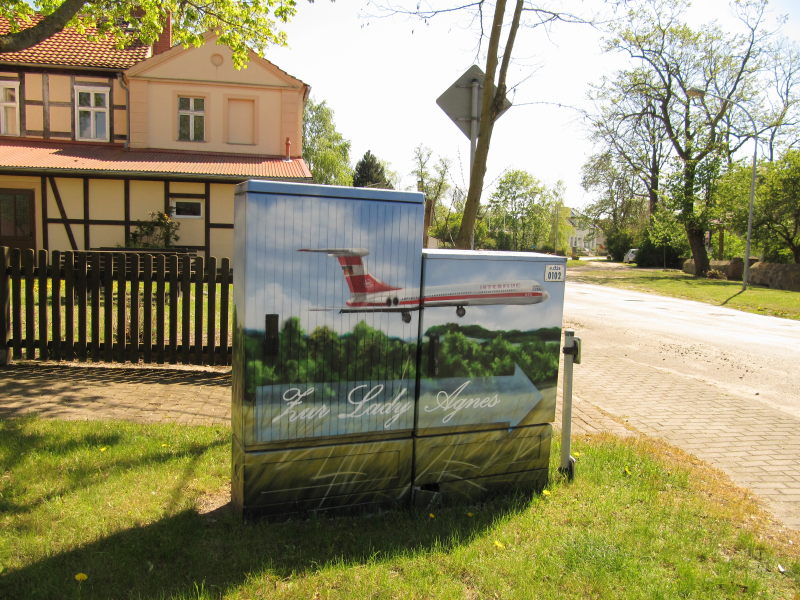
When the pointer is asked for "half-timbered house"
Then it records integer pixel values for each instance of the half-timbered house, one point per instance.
(94, 139)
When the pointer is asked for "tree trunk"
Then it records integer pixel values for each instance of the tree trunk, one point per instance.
(694, 232)
(652, 189)
(697, 242)
(466, 234)
(429, 202)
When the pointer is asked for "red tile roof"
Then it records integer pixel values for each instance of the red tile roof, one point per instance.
(69, 48)
(54, 158)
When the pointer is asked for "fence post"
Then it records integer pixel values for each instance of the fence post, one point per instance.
(29, 273)
(44, 330)
(5, 309)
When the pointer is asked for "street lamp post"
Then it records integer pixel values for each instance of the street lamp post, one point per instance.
(699, 93)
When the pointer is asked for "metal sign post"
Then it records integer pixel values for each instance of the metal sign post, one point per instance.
(572, 355)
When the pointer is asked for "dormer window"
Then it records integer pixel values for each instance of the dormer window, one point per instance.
(9, 109)
(91, 113)
(191, 119)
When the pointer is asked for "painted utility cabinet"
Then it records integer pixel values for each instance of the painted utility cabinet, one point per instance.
(368, 373)
(323, 384)
(490, 337)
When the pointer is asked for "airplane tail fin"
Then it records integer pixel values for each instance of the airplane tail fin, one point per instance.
(358, 280)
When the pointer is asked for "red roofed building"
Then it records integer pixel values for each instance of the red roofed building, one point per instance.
(94, 138)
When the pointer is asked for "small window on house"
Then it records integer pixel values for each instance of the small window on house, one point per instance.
(9, 109)
(91, 113)
(191, 119)
(187, 209)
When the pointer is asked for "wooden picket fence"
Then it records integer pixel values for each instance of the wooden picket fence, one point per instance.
(114, 307)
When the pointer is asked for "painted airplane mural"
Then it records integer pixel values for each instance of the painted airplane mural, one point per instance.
(369, 294)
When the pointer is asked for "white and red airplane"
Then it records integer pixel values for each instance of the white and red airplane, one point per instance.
(369, 294)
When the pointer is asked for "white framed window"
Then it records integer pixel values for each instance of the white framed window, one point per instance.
(187, 209)
(91, 113)
(191, 119)
(9, 108)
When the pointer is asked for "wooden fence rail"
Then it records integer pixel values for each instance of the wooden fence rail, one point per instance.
(114, 307)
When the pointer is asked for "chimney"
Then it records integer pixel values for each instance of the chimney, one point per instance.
(164, 41)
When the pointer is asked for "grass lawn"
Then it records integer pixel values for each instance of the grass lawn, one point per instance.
(671, 282)
(117, 502)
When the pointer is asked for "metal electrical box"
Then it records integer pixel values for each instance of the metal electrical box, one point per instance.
(367, 372)
(490, 336)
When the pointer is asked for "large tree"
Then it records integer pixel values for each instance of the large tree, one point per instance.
(619, 208)
(325, 150)
(240, 24)
(678, 61)
(626, 124)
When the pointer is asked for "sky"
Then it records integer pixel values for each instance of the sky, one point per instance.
(382, 76)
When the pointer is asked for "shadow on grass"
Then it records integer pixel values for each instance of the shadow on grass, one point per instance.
(731, 298)
(176, 555)
(18, 443)
(183, 551)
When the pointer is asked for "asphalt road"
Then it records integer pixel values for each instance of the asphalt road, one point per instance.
(750, 356)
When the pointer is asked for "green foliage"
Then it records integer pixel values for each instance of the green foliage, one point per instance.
(325, 356)
(776, 219)
(371, 172)
(776, 211)
(161, 231)
(618, 243)
(664, 242)
(520, 212)
(368, 354)
(241, 25)
(620, 209)
(433, 181)
(325, 150)
(700, 128)
(446, 222)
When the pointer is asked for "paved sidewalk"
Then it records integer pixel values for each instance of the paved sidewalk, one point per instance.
(757, 446)
(143, 395)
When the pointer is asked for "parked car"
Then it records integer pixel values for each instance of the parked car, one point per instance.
(630, 255)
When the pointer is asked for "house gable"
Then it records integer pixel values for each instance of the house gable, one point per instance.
(212, 63)
(193, 99)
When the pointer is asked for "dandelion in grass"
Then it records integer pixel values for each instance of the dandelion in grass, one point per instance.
(627, 470)
(576, 454)
(81, 577)
(431, 516)
(103, 449)
(500, 545)
(545, 492)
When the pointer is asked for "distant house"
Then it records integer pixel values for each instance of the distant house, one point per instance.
(95, 138)
(586, 237)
